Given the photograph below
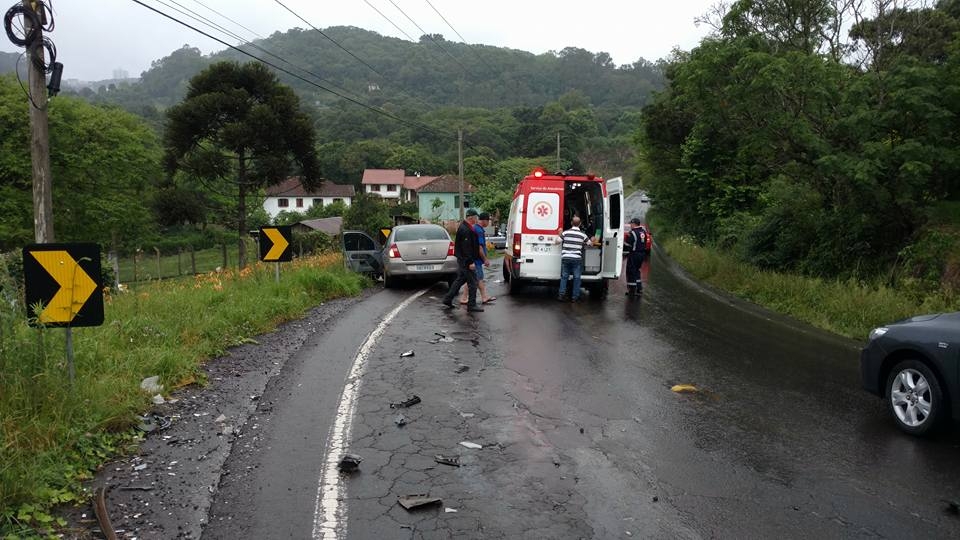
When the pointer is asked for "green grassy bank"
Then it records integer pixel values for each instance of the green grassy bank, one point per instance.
(850, 308)
(54, 434)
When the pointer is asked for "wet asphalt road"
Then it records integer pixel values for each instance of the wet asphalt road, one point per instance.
(582, 436)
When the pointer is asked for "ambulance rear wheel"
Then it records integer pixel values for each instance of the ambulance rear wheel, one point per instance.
(515, 286)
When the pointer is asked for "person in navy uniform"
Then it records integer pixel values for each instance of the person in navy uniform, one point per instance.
(635, 244)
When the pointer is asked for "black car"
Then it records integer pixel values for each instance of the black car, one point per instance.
(914, 365)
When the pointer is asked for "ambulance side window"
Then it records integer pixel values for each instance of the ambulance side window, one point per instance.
(615, 222)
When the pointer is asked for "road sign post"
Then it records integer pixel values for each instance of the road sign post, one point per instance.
(63, 288)
(276, 245)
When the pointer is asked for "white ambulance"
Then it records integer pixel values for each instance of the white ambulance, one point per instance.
(543, 206)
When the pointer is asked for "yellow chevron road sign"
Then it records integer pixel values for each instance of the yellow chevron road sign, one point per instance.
(64, 281)
(275, 244)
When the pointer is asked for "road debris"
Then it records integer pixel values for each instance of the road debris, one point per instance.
(953, 507)
(152, 422)
(467, 414)
(449, 510)
(103, 517)
(453, 461)
(221, 419)
(684, 388)
(158, 400)
(400, 420)
(151, 385)
(135, 488)
(408, 403)
(442, 338)
(461, 368)
(407, 354)
(473, 446)
(349, 462)
(417, 500)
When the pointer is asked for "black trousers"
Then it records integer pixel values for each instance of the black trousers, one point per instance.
(468, 276)
(634, 262)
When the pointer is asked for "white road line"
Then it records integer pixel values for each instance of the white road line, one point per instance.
(329, 519)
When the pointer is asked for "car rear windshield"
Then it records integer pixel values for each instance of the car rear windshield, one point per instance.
(408, 234)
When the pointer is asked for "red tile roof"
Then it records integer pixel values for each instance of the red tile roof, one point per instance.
(291, 187)
(447, 183)
(383, 176)
(414, 183)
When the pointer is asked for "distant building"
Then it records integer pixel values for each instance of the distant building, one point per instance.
(393, 184)
(291, 196)
(439, 199)
(121, 74)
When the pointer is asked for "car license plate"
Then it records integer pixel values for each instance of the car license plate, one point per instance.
(541, 249)
(425, 267)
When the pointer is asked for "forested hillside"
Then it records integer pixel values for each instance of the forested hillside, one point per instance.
(800, 147)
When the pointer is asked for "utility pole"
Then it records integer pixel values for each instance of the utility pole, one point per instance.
(558, 151)
(39, 135)
(460, 163)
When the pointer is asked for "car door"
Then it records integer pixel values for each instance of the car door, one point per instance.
(613, 232)
(360, 253)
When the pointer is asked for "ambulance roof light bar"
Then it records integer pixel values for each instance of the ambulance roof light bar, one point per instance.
(539, 172)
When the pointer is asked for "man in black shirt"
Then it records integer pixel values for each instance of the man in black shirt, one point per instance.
(467, 250)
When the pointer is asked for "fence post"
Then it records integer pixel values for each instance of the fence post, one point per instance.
(193, 260)
(159, 274)
(179, 257)
(136, 259)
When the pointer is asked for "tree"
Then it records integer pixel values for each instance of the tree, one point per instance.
(238, 124)
(367, 213)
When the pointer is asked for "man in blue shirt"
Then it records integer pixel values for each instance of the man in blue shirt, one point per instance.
(483, 261)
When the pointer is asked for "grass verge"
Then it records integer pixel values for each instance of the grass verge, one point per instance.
(850, 308)
(54, 434)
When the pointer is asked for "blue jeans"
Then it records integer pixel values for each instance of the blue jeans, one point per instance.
(570, 267)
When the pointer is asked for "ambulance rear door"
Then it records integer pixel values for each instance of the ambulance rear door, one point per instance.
(613, 230)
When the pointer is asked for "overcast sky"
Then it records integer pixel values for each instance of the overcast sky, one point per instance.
(96, 37)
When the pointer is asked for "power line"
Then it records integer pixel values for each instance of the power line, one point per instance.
(482, 59)
(408, 123)
(435, 42)
(228, 18)
(389, 20)
(194, 15)
(295, 14)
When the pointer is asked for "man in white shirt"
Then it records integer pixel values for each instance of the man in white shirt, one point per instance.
(573, 241)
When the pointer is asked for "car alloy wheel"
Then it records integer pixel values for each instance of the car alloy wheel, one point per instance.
(914, 397)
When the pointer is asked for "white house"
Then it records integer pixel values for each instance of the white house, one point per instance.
(290, 196)
(392, 184)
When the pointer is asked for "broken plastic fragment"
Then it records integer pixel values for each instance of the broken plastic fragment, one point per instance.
(407, 354)
(400, 420)
(158, 400)
(449, 510)
(461, 368)
(408, 403)
(151, 385)
(349, 462)
(683, 388)
(453, 461)
(417, 500)
(468, 444)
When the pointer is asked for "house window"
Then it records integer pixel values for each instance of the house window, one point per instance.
(393, 187)
(299, 203)
(377, 187)
(283, 203)
(318, 202)
(466, 201)
(338, 200)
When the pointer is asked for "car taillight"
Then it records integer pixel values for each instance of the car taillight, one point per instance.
(394, 252)
(450, 252)
(516, 245)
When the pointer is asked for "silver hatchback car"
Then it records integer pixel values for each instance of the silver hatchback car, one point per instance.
(418, 251)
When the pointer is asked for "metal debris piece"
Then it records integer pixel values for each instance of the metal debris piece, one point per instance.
(220, 419)
(449, 510)
(461, 368)
(407, 354)
(140, 467)
(684, 388)
(417, 500)
(453, 461)
(467, 414)
(400, 420)
(446, 339)
(135, 488)
(153, 422)
(408, 403)
(471, 445)
(349, 462)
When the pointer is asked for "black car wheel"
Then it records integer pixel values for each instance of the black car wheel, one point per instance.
(389, 282)
(914, 397)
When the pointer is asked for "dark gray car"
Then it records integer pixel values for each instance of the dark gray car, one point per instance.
(914, 365)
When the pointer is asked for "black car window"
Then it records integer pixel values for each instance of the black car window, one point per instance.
(408, 234)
